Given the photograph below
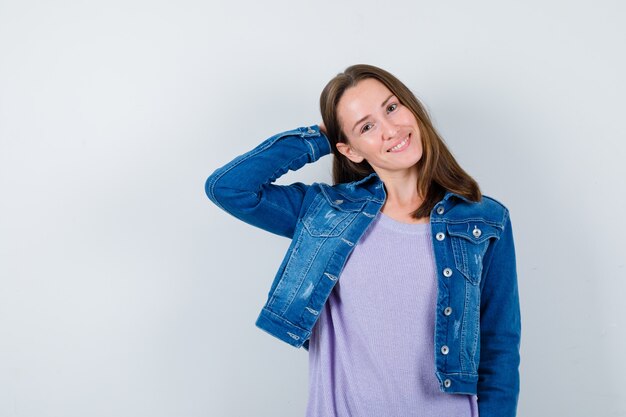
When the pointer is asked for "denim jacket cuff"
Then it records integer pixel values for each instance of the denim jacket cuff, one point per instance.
(317, 139)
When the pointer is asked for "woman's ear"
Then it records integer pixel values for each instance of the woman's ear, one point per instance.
(347, 151)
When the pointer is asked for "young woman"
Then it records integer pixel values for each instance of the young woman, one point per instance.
(400, 279)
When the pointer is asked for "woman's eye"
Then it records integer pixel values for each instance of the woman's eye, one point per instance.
(391, 107)
(366, 127)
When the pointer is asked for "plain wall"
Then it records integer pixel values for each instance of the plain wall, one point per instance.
(125, 292)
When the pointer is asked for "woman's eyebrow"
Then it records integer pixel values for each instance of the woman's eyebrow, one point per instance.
(385, 102)
(365, 117)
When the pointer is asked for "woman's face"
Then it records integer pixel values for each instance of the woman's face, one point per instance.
(378, 128)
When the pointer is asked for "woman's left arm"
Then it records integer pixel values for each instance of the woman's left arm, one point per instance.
(500, 330)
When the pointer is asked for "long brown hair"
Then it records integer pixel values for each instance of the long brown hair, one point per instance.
(438, 171)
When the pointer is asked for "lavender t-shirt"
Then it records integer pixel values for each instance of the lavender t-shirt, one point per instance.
(371, 352)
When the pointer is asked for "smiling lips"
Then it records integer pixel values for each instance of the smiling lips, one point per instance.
(400, 146)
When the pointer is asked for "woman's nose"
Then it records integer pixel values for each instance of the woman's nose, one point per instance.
(389, 130)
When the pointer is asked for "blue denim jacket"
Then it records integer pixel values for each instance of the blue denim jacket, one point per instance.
(477, 324)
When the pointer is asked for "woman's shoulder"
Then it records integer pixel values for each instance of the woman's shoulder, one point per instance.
(365, 189)
(491, 202)
(488, 209)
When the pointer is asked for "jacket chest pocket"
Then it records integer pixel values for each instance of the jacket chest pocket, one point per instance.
(330, 218)
(470, 241)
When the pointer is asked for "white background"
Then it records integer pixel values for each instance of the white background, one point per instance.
(125, 292)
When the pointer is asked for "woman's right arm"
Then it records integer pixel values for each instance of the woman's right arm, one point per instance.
(243, 187)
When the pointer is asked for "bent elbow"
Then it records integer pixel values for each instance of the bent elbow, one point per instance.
(211, 189)
(224, 192)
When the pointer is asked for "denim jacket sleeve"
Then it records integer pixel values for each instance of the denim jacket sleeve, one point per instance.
(498, 382)
(243, 187)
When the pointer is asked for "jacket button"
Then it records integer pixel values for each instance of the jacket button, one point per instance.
(447, 311)
(447, 383)
(310, 131)
(447, 272)
(445, 350)
(476, 232)
(338, 201)
(440, 210)
(440, 236)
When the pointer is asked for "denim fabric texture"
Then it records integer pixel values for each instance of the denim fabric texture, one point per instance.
(477, 325)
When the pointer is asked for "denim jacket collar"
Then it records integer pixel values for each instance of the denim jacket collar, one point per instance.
(375, 186)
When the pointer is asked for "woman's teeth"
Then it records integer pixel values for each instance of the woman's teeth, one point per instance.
(399, 145)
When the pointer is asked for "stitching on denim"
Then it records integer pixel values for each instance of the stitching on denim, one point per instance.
(290, 296)
(486, 268)
(464, 265)
(505, 217)
(313, 209)
(312, 150)
(302, 273)
(457, 253)
(281, 278)
(311, 217)
(443, 299)
(477, 224)
(476, 338)
(463, 374)
(325, 187)
(312, 311)
(493, 223)
(447, 329)
(293, 336)
(331, 276)
(464, 325)
(339, 189)
(348, 242)
(283, 319)
(461, 249)
(334, 228)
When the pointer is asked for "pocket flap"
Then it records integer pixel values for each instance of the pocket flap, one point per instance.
(340, 201)
(474, 231)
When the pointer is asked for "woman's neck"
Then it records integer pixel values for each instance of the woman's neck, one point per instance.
(402, 196)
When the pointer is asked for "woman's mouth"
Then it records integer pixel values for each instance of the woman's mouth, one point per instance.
(400, 146)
